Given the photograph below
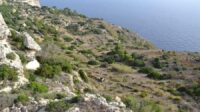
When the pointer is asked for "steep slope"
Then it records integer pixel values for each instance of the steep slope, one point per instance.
(79, 64)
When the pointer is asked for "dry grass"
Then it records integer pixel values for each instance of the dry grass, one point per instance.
(122, 68)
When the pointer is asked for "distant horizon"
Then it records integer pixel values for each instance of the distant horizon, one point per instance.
(169, 25)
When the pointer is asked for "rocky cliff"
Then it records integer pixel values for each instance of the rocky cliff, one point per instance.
(57, 60)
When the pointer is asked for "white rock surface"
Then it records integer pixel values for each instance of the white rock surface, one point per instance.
(33, 65)
(74, 109)
(101, 101)
(5, 48)
(30, 43)
(4, 31)
(30, 2)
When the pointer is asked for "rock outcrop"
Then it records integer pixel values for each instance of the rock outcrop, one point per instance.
(30, 43)
(33, 47)
(5, 49)
(98, 103)
(4, 31)
(30, 2)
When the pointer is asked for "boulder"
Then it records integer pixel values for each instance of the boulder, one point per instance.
(33, 65)
(30, 43)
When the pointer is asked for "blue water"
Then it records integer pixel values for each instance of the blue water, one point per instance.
(169, 24)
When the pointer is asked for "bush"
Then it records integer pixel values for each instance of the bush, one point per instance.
(67, 38)
(23, 58)
(38, 87)
(122, 68)
(60, 106)
(11, 56)
(151, 73)
(156, 63)
(17, 40)
(141, 106)
(109, 59)
(60, 96)
(93, 62)
(23, 98)
(193, 91)
(130, 102)
(49, 71)
(108, 98)
(7, 73)
(61, 62)
(83, 75)
(139, 63)
(76, 99)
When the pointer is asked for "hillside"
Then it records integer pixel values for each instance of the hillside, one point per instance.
(57, 60)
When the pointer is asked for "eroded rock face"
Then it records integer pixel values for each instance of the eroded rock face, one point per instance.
(5, 49)
(30, 43)
(4, 31)
(30, 2)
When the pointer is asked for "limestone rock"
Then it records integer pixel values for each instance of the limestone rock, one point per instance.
(30, 2)
(33, 65)
(4, 31)
(30, 43)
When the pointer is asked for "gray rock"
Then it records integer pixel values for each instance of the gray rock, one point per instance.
(30, 43)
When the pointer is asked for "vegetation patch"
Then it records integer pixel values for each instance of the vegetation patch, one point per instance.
(11, 56)
(37, 87)
(60, 106)
(121, 68)
(53, 66)
(23, 98)
(151, 73)
(141, 106)
(83, 75)
(8, 73)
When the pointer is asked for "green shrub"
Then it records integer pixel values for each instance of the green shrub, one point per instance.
(151, 73)
(193, 91)
(60, 96)
(60, 106)
(23, 58)
(23, 98)
(38, 87)
(139, 63)
(7, 73)
(83, 75)
(108, 98)
(121, 68)
(141, 106)
(76, 99)
(93, 62)
(109, 59)
(156, 63)
(57, 62)
(49, 71)
(17, 40)
(11, 56)
(130, 102)
(67, 38)
(87, 52)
